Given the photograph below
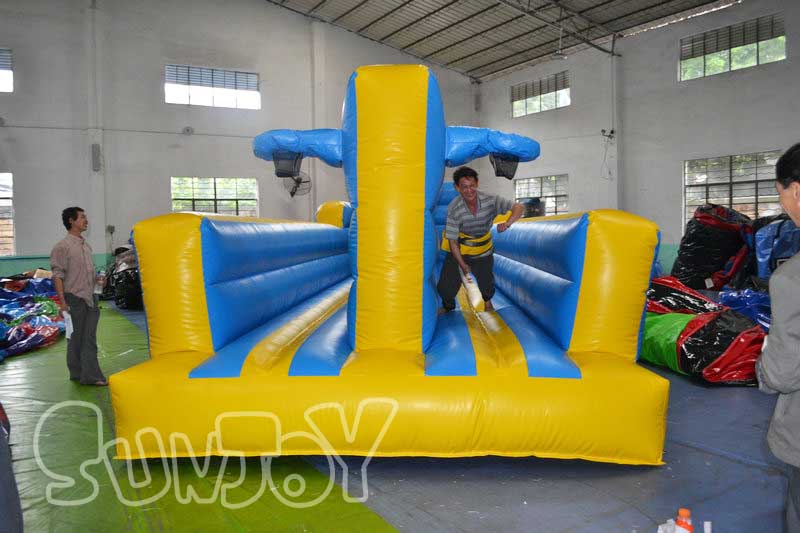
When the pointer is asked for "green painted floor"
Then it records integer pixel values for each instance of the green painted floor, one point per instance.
(92, 490)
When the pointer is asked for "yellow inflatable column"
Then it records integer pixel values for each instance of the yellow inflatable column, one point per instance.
(391, 118)
(170, 256)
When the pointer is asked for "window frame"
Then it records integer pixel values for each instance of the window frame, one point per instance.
(12, 217)
(758, 42)
(560, 82)
(214, 80)
(771, 198)
(215, 200)
(543, 198)
(10, 69)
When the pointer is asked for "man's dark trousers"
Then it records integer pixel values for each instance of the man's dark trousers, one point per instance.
(450, 279)
(82, 345)
(793, 501)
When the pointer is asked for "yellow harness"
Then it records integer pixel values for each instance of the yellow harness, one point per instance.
(470, 245)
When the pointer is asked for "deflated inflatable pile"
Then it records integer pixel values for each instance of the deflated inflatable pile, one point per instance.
(272, 337)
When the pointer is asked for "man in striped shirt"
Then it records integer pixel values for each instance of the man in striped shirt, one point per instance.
(468, 237)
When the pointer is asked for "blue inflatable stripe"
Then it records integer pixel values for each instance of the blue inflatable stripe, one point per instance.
(350, 159)
(351, 302)
(434, 169)
(324, 352)
(539, 266)
(500, 300)
(259, 298)
(228, 362)
(347, 214)
(557, 247)
(448, 193)
(450, 352)
(440, 215)
(435, 138)
(350, 141)
(545, 359)
(429, 294)
(233, 250)
(550, 301)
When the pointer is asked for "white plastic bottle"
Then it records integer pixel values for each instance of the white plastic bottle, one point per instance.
(68, 324)
(99, 281)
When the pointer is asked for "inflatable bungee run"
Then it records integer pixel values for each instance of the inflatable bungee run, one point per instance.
(264, 333)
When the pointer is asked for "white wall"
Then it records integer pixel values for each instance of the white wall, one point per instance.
(304, 66)
(661, 121)
(48, 150)
(57, 110)
(569, 136)
(665, 122)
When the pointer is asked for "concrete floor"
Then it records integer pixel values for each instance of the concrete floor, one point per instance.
(717, 464)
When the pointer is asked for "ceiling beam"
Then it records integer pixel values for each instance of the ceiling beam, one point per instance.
(578, 15)
(522, 62)
(499, 44)
(343, 15)
(388, 13)
(656, 6)
(487, 30)
(449, 27)
(533, 14)
(319, 19)
(319, 5)
(612, 21)
(509, 21)
(553, 41)
(406, 26)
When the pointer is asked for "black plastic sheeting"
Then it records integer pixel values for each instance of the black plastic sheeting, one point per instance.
(713, 238)
(124, 285)
(723, 350)
(668, 295)
(127, 289)
(719, 345)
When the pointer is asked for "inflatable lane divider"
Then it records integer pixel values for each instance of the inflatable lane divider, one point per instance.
(517, 342)
(496, 348)
(325, 351)
(543, 357)
(277, 349)
(228, 362)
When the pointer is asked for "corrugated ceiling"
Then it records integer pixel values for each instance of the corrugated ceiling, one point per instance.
(482, 38)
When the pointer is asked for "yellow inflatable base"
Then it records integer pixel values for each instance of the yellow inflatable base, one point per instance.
(614, 413)
(382, 403)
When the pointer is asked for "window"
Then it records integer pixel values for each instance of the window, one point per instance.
(540, 95)
(6, 214)
(6, 71)
(211, 87)
(745, 183)
(552, 190)
(743, 45)
(226, 196)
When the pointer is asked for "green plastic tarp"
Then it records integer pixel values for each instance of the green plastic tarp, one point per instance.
(67, 483)
(661, 333)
